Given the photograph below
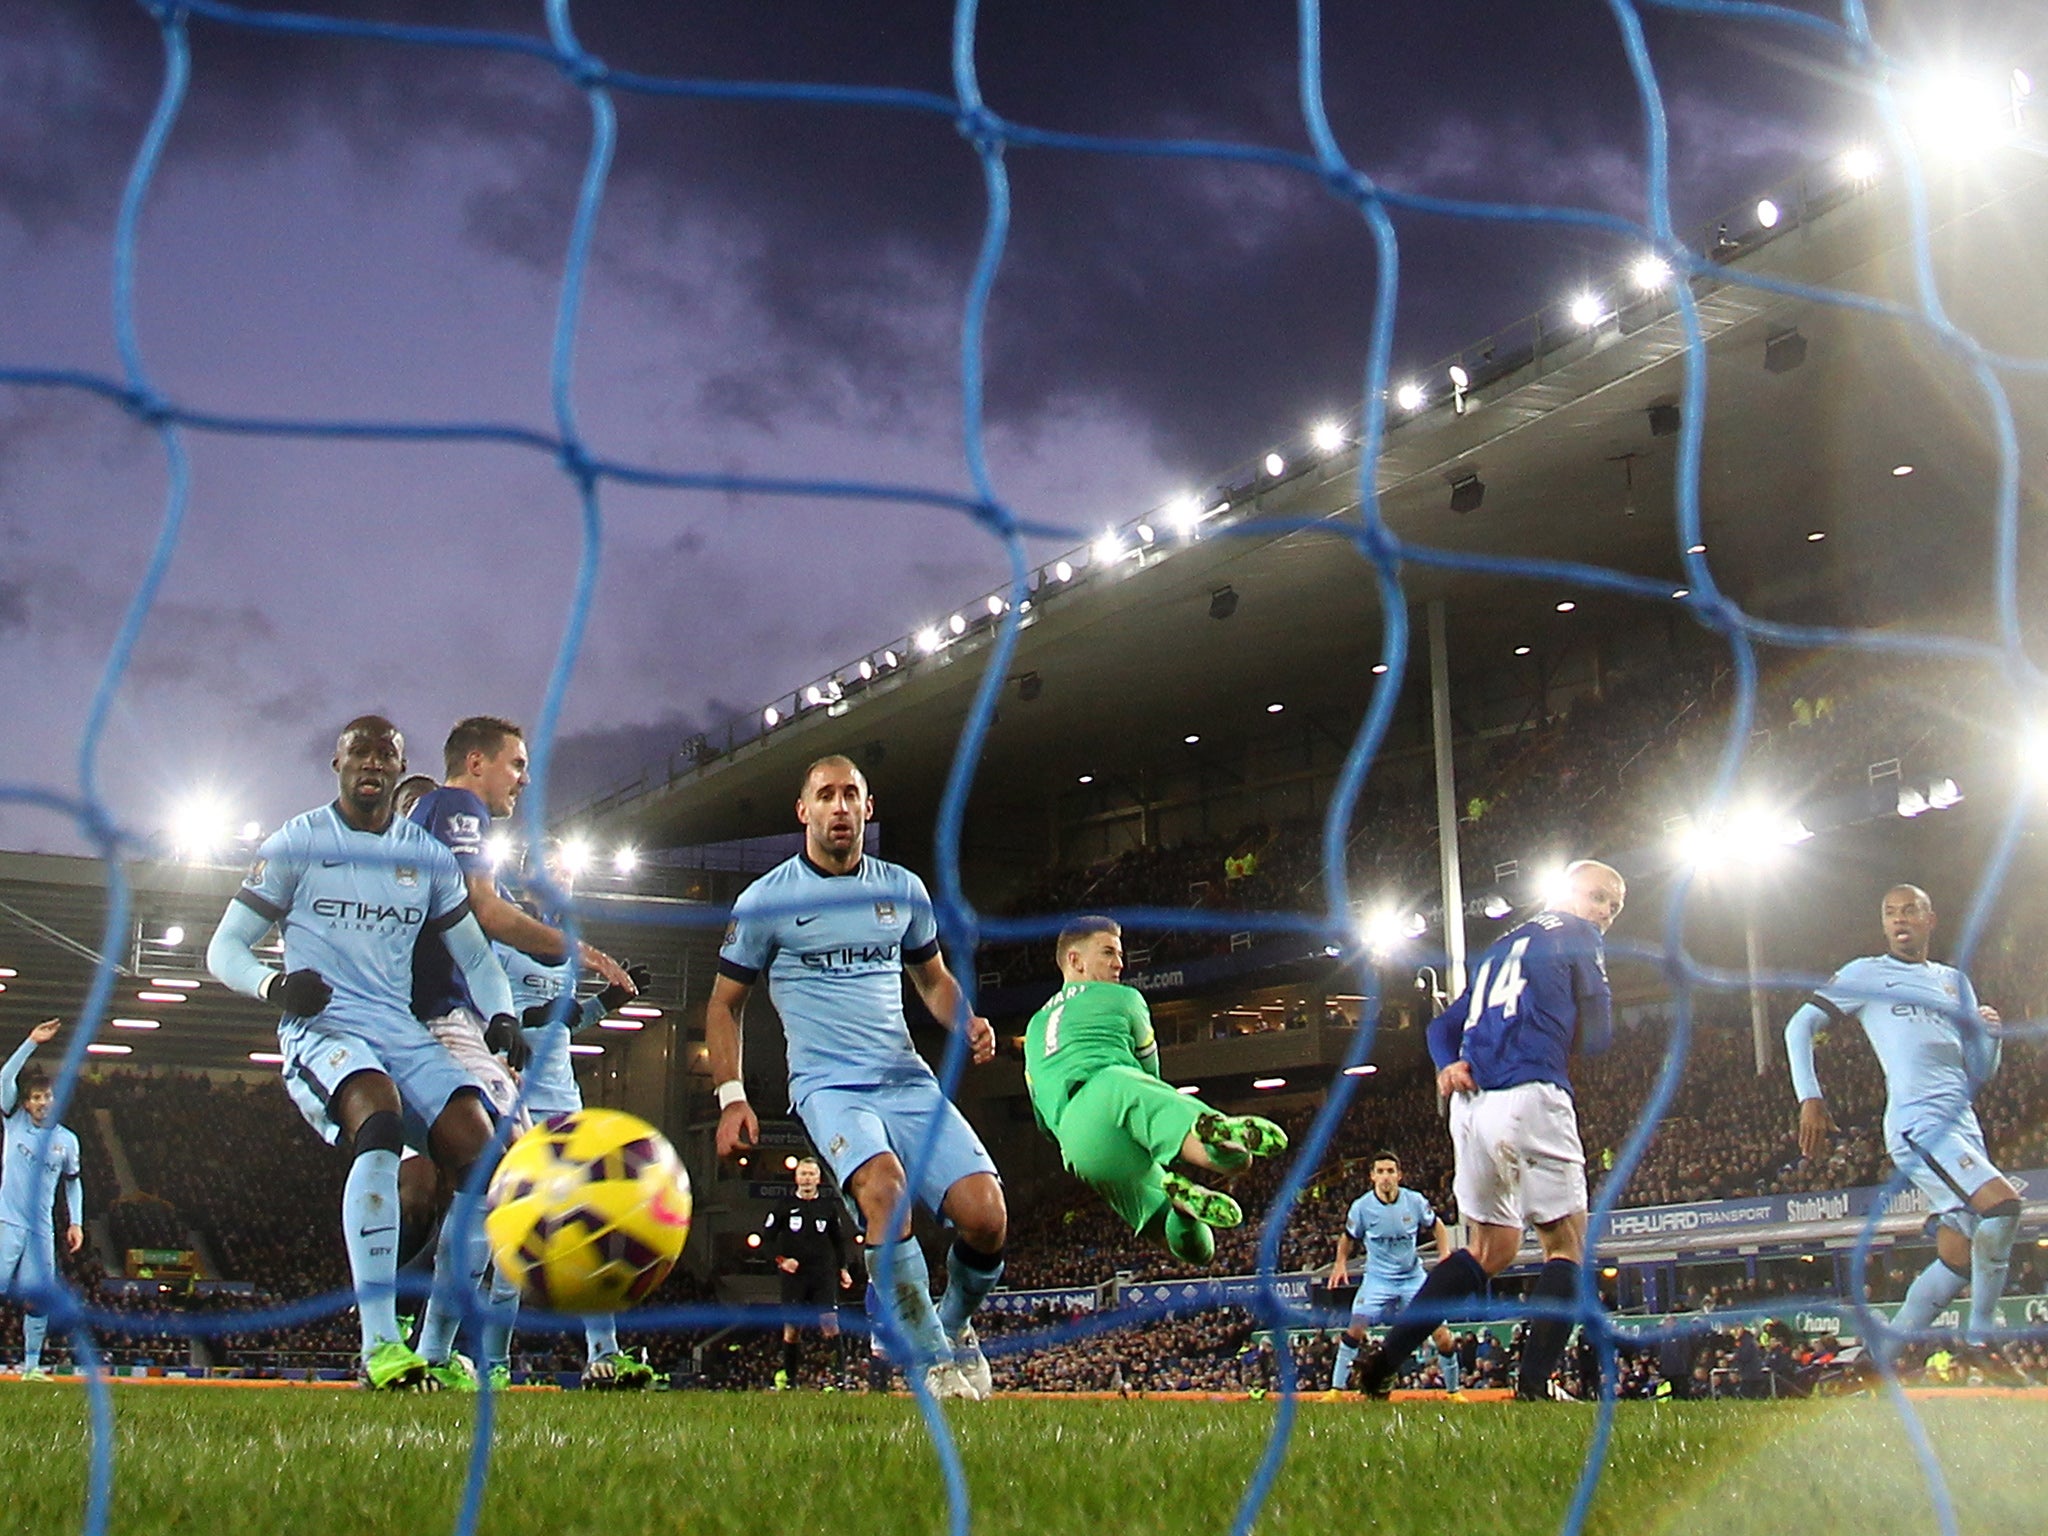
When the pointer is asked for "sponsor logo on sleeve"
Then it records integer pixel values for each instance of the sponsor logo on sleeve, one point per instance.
(256, 872)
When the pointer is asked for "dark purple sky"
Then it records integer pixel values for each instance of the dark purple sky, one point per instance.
(346, 229)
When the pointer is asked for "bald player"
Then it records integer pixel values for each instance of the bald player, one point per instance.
(1937, 1048)
(1503, 1055)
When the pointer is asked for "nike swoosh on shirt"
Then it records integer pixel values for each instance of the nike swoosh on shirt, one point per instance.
(373, 1231)
(811, 919)
(332, 863)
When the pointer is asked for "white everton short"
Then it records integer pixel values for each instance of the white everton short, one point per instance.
(1519, 1157)
(463, 1034)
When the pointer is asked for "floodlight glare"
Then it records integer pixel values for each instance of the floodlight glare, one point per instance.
(1382, 929)
(1184, 514)
(251, 830)
(1062, 571)
(1145, 533)
(1768, 213)
(200, 826)
(1496, 907)
(1958, 115)
(957, 623)
(1415, 926)
(889, 659)
(928, 639)
(813, 696)
(1460, 379)
(1860, 163)
(1942, 794)
(498, 846)
(1410, 396)
(173, 936)
(1275, 465)
(1650, 272)
(1327, 436)
(995, 605)
(1106, 550)
(575, 855)
(625, 861)
(1586, 309)
(1550, 885)
(1912, 803)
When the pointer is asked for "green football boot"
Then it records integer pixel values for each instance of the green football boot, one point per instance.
(391, 1366)
(455, 1374)
(501, 1377)
(1211, 1207)
(1234, 1140)
(1188, 1240)
(634, 1375)
(37, 1374)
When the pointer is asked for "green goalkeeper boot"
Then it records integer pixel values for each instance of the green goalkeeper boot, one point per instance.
(1211, 1207)
(1234, 1140)
(1188, 1240)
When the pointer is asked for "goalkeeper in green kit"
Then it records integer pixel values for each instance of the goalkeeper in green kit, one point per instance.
(1092, 1068)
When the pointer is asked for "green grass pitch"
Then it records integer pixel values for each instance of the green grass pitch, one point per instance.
(219, 1462)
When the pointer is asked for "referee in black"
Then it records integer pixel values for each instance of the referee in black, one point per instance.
(808, 1239)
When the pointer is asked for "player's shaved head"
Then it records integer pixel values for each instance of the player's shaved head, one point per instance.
(1908, 917)
(1905, 893)
(835, 764)
(368, 725)
(369, 760)
(1592, 890)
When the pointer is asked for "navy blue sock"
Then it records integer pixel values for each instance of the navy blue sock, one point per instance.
(1450, 1282)
(1544, 1345)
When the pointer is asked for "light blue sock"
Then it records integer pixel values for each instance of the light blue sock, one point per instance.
(498, 1325)
(1448, 1364)
(33, 1326)
(1347, 1355)
(1932, 1289)
(459, 1267)
(910, 1295)
(967, 1285)
(600, 1337)
(1990, 1259)
(369, 1228)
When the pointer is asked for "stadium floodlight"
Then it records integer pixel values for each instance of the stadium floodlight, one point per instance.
(771, 717)
(957, 623)
(153, 996)
(200, 826)
(1411, 396)
(1062, 571)
(1087, 778)
(173, 936)
(1363, 1069)
(1816, 536)
(626, 860)
(575, 855)
(1145, 534)
(1382, 930)
(1415, 926)
(1859, 163)
(1550, 884)
(1912, 803)
(994, 604)
(814, 696)
(1942, 794)
(1496, 907)
(1695, 549)
(1274, 709)
(1960, 115)
(1649, 272)
(1768, 213)
(1586, 310)
(1900, 471)
(136, 1023)
(866, 669)
(1521, 650)
(928, 639)
(1379, 669)
(890, 659)
(1326, 436)
(1190, 739)
(107, 1048)
(1567, 606)
(1681, 591)
(1269, 1083)
(1184, 514)
(498, 846)
(1106, 550)
(1275, 465)
(1460, 379)
(251, 831)
(1748, 838)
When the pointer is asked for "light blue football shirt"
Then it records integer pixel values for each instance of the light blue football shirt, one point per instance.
(1933, 1063)
(1391, 1231)
(28, 1183)
(352, 906)
(834, 948)
(549, 1078)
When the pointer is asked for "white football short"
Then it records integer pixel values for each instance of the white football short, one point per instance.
(1519, 1157)
(463, 1034)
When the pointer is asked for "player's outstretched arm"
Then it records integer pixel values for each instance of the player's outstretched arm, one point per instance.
(738, 1129)
(10, 1074)
(940, 992)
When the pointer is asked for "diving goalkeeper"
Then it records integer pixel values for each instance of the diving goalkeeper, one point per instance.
(1092, 1068)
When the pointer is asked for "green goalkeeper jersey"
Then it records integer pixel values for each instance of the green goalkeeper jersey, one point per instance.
(1084, 1027)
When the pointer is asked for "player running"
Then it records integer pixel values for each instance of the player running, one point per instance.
(38, 1155)
(808, 1244)
(485, 761)
(1390, 1221)
(1502, 1052)
(835, 930)
(1931, 1037)
(1091, 1065)
(549, 1015)
(352, 888)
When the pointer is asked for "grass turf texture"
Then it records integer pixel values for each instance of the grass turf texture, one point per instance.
(222, 1462)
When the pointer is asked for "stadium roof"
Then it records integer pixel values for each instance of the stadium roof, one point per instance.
(1127, 660)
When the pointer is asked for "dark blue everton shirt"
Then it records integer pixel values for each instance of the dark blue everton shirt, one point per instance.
(1537, 989)
(459, 820)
